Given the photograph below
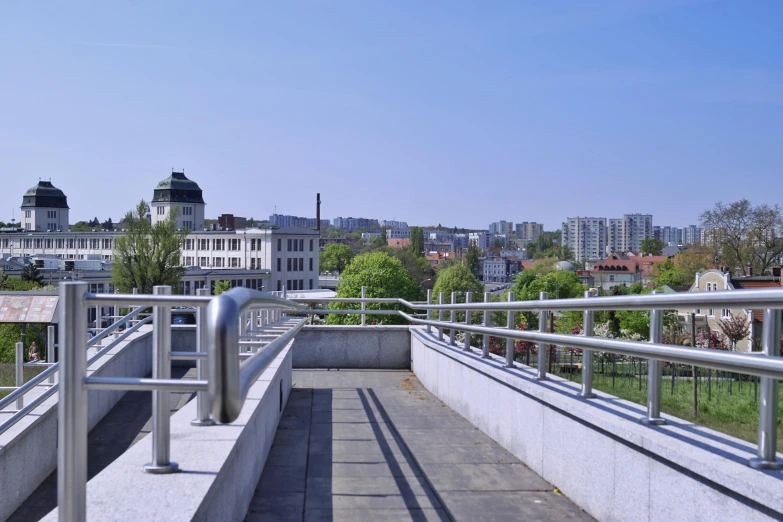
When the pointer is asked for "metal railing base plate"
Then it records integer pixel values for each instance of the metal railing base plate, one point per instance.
(758, 463)
(586, 395)
(652, 422)
(161, 469)
(205, 422)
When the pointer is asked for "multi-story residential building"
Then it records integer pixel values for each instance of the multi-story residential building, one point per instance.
(398, 233)
(177, 191)
(636, 228)
(482, 239)
(586, 237)
(44, 207)
(439, 236)
(500, 270)
(285, 221)
(438, 246)
(279, 256)
(656, 232)
(460, 241)
(529, 231)
(501, 227)
(615, 270)
(691, 235)
(387, 223)
(614, 235)
(350, 223)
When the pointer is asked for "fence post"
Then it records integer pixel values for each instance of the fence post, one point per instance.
(429, 302)
(510, 342)
(50, 349)
(468, 296)
(161, 369)
(587, 355)
(487, 324)
(364, 317)
(543, 317)
(768, 403)
(654, 373)
(19, 367)
(440, 316)
(453, 318)
(202, 404)
(72, 405)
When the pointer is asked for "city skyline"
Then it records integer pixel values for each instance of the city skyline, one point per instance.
(386, 108)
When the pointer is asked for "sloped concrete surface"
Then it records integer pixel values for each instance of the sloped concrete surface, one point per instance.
(364, 445)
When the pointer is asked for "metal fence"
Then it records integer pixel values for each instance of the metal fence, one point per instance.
(768, 365)
(239, 320)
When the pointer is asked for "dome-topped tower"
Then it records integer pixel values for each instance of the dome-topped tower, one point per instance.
(44, 207)
(180, 192)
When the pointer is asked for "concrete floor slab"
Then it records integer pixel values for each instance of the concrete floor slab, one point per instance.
(377, 446)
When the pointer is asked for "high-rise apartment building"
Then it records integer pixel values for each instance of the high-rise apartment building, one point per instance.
(636, 227)
(614, 233)
(529, 231)
(501, 227)
(586, 237)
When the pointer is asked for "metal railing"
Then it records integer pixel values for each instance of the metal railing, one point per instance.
(769, 366)
(222, 383)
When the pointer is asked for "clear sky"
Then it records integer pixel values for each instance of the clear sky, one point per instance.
(450, 112)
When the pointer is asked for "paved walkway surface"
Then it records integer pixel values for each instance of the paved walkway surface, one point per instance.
(127, 423)
(377, 446)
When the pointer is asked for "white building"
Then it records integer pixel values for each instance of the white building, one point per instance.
(398, 233)
(529, 231)
(501, 227)
(586, 237)
(44, 207)
(177, 191)
(481, 239)
(386, 223)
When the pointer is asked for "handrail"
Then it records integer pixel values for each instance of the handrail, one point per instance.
(109, 329)
(225, 378)
(757, 299)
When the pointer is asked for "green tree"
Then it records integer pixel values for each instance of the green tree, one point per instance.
(384, 239)
(383, 276)
(335, 257)
(31, 273)
(416, 245)
(417, 267)
(147, 255)
(222, 286)
(3, 279)
(456, 278)
(472, 260)
(81, 226)
(652, 246)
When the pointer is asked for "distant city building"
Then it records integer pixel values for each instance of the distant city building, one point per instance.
(366, 236)
(636, 228)
(691, 235)
(460, 241)
(614, 235)
(482, 239)
(438, 236)
(585, 237)
(350, 223)
(177, 191)
(231, 222)
(398, 233)
(385, 223)
(438, 246)
(44, 207)
(499, 270)
(529, 231)
(285, 221)
(501, 227)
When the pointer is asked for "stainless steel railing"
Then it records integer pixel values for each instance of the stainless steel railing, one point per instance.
(221, 380)
(769, 366)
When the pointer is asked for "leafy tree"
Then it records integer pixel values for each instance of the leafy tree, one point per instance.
(652, 246)
(456, 278)
(384, 239)
(383, 276)
(417, 267)
(561, 284)
(107, 225)
(472, 260)
(222, 286)
(3, 279)
(16, 284)
(81, 226)
(498, 243)
(681, 270)
(335, 257)
(735, 328)
(147, 255)
(416, 244)
(31, 273)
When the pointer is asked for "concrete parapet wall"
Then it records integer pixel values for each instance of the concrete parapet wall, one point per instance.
(353, 347)
(596, 451)
(28, 450)
(220, 465)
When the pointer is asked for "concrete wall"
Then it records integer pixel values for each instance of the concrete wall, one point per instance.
(220, 465)
(29, 448)
(596, 452)
(386, 347)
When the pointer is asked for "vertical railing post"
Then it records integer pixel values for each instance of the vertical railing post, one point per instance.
(487, 324)
(364, 306)
(768, 403)
(50, 349)
(543, 319)
(468, 296)
(202, 404)
(72, 405)
(587, 355)
(509, 341)
(19, 364)
(654, 372)
(429, 315)
(161, 369)
(440, 316)
(452, 332)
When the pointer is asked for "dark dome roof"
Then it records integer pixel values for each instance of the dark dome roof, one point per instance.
(44, 195)
(177, 189)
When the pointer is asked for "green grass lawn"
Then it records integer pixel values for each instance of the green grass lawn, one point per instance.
(8, 375)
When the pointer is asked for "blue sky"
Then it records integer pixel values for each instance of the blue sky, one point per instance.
(450, 112)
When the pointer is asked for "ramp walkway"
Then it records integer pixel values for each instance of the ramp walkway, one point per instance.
(369, 445)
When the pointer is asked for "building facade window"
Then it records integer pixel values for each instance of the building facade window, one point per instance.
(279, 248)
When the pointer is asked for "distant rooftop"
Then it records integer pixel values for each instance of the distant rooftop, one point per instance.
(177, 188)
(44, 195)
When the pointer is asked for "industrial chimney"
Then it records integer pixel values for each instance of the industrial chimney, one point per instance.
(318, 212)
